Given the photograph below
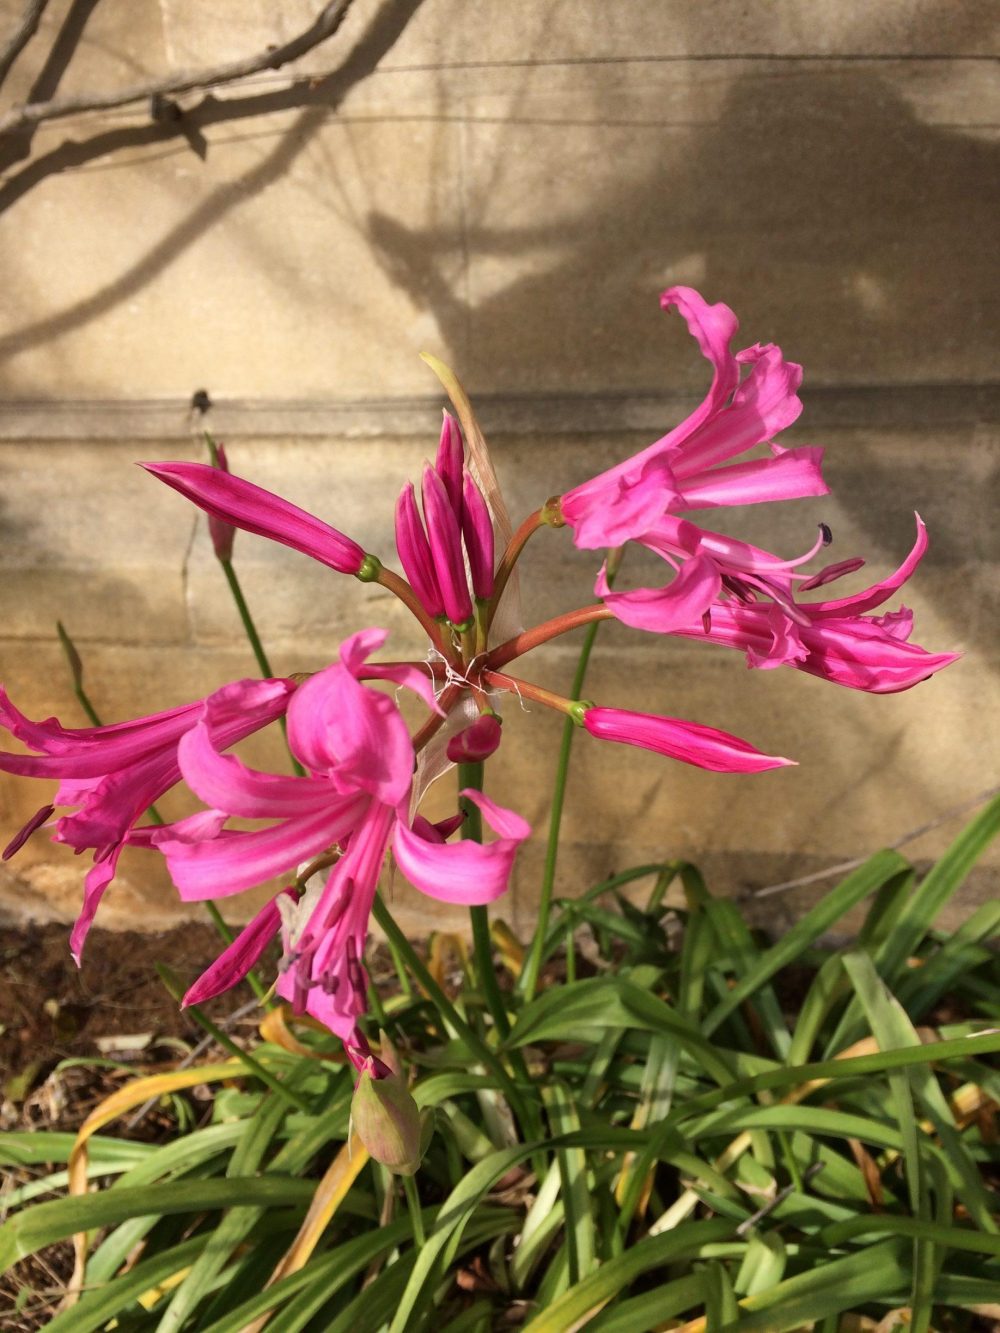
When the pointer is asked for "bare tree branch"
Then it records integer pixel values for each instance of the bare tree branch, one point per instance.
(21, 35)
(325, 25)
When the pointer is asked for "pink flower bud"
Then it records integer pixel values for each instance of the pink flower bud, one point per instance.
(476, 742)
(221, 532)
(415, 554)
(446, 549)
(692, 743)
(451, 461)
(477, 527)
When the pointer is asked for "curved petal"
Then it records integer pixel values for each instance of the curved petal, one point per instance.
(244, 505)
(878, 592)
(469, 873)
(763, 405)
(419, 679)
(225, 782)
(663, 610)
(690, 742)
(235, 962)
(235, 861)
(355, 734)
(94, 886)
(790, 475)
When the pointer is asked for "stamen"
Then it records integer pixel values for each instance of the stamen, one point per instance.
(826, 534)
(19, 839)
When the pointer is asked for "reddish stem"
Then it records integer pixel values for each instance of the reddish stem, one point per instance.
(511, 556)
(401, 589)
(525, 689)
(548, 629)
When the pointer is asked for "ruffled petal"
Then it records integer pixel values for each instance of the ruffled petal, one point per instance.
(469, 873)
(355, 734)
(764, 404)
(94, 887)
(621, 504)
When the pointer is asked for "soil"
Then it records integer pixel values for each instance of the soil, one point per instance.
(115, 1016)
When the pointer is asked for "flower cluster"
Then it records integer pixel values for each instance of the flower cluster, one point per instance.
(326, 833)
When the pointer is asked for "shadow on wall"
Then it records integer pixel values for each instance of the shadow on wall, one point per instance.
(814, 195)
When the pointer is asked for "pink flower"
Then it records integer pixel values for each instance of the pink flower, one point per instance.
(113, 774)
(681, 470)
(445, 537)
(352, 805)
(244, 505)
(692, 743)
(731, 593)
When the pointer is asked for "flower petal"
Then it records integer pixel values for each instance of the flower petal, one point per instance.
(878, 592)
(469, 873)
(790, 475)
(225, 782)
(233, 964)
(663, 610)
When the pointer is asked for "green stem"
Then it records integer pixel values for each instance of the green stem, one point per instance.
(253, 1066)
(471, 775)
(528, 980)
(446, 1009)
(416, 1216)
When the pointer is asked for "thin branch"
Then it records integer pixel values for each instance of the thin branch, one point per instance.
(843, 867)
(326, 24)
(21, 35)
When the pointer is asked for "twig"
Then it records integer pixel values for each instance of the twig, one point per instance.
(779, 1198)
(21, 35)
(325, 25)
(192, 1055)
(842, 867)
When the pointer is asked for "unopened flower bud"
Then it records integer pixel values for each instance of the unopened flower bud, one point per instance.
(475, 742)
(387, 1121)
(450, 461)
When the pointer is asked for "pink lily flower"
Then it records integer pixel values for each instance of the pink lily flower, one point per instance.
(352, 805)
(681, 470)
(113, 774)
(735, 594)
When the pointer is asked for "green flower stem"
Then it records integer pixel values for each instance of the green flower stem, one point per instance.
(448, 1011)
(416, 1215)
(253, 1066)
(528, 980)
(471, 775)
(250, 629)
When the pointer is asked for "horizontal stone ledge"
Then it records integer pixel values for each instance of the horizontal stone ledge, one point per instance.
(878, 405)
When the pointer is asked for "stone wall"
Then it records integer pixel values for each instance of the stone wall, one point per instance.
(509, 186)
